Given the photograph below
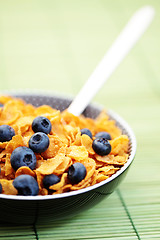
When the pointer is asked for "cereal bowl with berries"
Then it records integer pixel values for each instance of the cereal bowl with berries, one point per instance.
(53, 164)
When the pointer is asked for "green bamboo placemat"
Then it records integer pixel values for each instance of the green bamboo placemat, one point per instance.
(56, 45)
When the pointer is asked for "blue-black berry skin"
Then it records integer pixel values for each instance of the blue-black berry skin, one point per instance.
(50, 180)
(41, 124)
(23, 156)
(39, 142)
(6, 133)
(76, 173)
(1, 105)
(105, 135)
(26, 185)
(0, 188)
(101, 146)
(87, 132)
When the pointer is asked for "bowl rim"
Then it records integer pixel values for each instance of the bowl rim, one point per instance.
(110, 112)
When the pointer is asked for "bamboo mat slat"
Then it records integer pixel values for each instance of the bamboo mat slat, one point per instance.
(55, 45)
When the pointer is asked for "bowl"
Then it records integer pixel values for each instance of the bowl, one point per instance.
(32, 209)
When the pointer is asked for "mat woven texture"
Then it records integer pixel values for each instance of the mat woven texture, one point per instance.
(55, 45)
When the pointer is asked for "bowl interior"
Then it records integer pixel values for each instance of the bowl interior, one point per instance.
(92, 111)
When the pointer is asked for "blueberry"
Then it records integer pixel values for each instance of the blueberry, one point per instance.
(41, 124)
(0, 188)
(49, 180)
(103, 135)
(76, 173)
(87, 132)
(101, 146)
(26, 185)
(6, 133)
(1, 105)
(23, 156)
(39, 142)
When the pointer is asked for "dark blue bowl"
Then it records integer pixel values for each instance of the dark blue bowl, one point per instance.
(28, 210)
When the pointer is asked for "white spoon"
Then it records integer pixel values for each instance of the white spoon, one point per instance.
(119, 49)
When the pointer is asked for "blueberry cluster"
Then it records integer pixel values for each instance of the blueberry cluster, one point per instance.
(26, 185)
(38, 143)
(100, 144)
(24, 156)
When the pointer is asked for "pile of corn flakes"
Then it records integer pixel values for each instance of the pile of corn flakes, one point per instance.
(67, 146)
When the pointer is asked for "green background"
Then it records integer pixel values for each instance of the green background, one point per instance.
(55, 45)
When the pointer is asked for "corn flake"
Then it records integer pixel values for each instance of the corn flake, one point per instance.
(51, 164)
(24, 170)
(77, 152)
(7, 187)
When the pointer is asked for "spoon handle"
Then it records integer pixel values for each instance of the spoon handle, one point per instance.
(119, 49)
